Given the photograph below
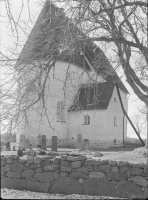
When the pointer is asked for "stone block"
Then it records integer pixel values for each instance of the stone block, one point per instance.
(7, 167)
(122, 163)
(92, 162)
(56, 175)
(66, 185)
(9, 160)
(63, 174)
(65, 169)
(96, 175)
(3, 171)
(145, 193)
(14, 174)
(123, 169)
(27, 173)
(126, 189)
(135, 171)
(39, 170)
(30, 160)
(76, 164)
(138, 165)
(77, 175)
(128, 173)
(85, 169)
(116, 176)
(63, 157)
(104, 162)
(81, 157)
(30, 178)
(3, 162)
(48, 168)
(13, 183)
(71, 158)
(57, 160)
(22, 160)
(99, 187)
(26, 166)
(113, 163)
(66, 163)
(38, 187)
(17, 167)
(46, 162)
(104, 168)
(146, 171)
(139, 180)
(44, 177)
(34, 166)
(114, 169)
(37, 160)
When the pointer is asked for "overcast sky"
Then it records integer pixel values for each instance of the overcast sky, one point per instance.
(7, 39)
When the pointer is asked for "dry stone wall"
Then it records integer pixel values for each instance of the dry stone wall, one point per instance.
(74, 175)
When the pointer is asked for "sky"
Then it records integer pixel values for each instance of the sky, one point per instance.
(8, 40)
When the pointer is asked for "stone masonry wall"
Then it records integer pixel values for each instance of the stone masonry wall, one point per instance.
(74, 175)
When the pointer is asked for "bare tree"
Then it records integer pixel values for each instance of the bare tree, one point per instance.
(120, 25)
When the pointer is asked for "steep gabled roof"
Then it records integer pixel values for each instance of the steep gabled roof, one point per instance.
(93, 96)
(51, 27)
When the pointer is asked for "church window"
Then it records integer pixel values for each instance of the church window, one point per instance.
(115, 120)
(115, 99)
(86, 119)
(60, 111)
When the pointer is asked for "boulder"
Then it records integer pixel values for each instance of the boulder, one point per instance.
(85, 169)
(39, 170)
(48, 168)
(135, 171)
(18, 167)
(71, 158)
(122, 163)
(27, 173)
(66, 163)
(30, 160)
(78, 175)
(7, 167)
(38, 187)
(65, 169)
(81, 157)
(76, 164)
(37, 160)
(126, 189)
(66, 185)
(9, 160)
(45, 162)
(114, 169)
(14, 174)
(96, 175)
(44, 177)
(123, 169)
(116, 176)
(63, 174)
(3, 162)
(13, 183)
(34, 166)
(113, 163)
(104, 168)
(145, 194)
(92, 162)
(139, 180)
(99, 187)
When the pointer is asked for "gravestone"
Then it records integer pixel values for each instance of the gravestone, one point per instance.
(22, 141)
(86, 141)
(79, 142)
(43, 144)
(27, 144)
(31, 152)
(8, 146)
(54, 143)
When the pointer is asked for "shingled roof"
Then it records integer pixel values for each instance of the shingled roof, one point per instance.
(93, 96)
(51, 27)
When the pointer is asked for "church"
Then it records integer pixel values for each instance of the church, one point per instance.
(83, 92)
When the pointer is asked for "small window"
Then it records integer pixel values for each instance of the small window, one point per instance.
(60, 111)
(86, 119)
(115, 99)
(115, 120)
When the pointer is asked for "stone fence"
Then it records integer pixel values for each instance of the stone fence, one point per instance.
(74, 175)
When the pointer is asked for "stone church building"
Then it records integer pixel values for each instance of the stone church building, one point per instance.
(81, 95)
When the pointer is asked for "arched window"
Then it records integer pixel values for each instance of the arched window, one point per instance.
(86, 119)
(115, 120)
(115, 99)
(60, 111)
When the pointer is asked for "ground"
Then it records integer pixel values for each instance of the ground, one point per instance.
(16, 194)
